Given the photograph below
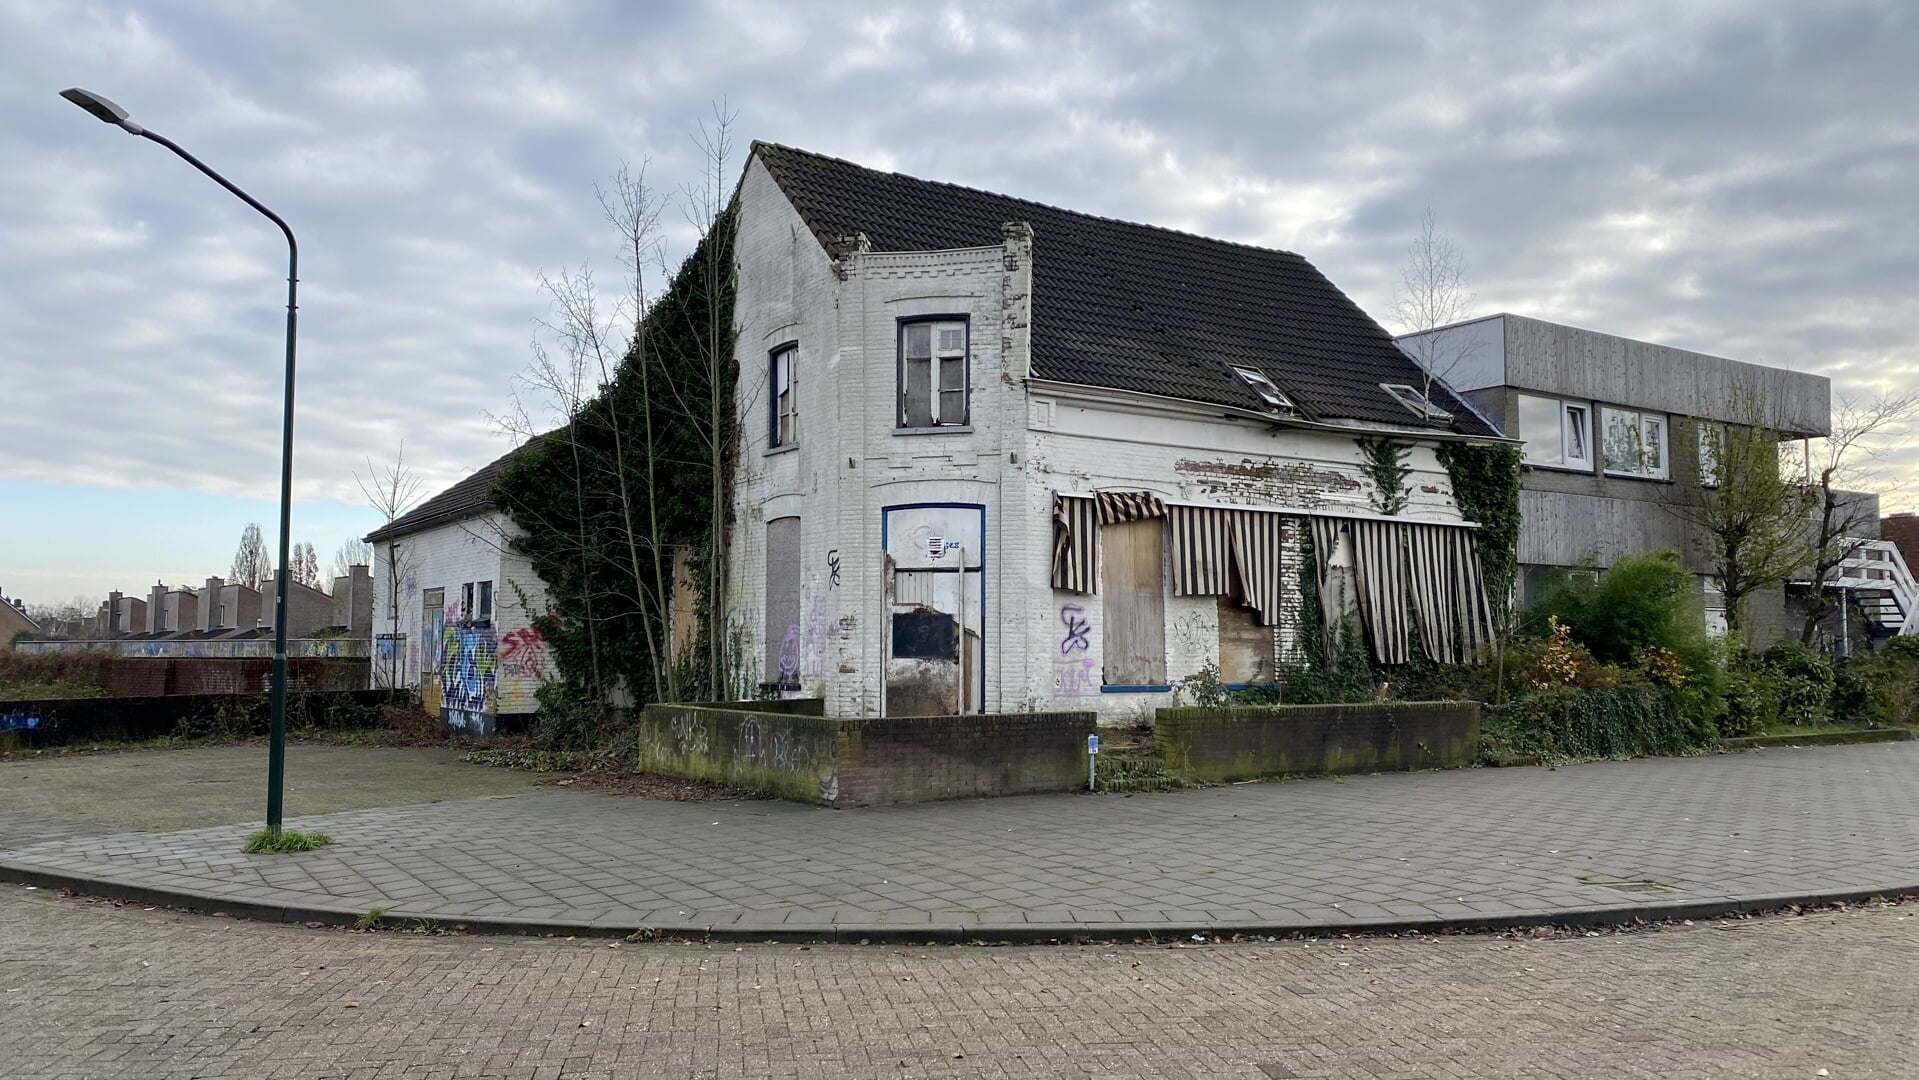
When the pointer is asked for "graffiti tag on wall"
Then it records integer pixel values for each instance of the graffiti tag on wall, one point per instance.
(469, 664)
(1073, 674)
(523, 653)
(19, 721)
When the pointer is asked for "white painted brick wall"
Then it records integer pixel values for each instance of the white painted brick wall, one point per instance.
(448, 557)
(1024, 445)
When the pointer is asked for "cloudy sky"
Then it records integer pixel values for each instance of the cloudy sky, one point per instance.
(1739, 178)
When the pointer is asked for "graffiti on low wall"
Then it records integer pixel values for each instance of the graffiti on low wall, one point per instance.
(209, 649)
(19, 720)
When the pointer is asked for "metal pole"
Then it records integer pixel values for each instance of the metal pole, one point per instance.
(277, 738)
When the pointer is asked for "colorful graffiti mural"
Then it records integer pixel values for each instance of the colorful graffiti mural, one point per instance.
(469, 666)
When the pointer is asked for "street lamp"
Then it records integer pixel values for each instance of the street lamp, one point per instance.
(277, 743)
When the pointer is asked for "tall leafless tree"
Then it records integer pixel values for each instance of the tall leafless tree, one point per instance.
(352, 553)
(391, 490)
(1836, 467)
(252, 566)
(1432, 293)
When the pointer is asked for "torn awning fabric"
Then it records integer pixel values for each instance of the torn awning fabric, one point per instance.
(1075, 544)
(1406, 572)
(1219, 551)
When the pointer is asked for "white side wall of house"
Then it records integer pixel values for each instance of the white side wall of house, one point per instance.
(818, 613)
(495, 666)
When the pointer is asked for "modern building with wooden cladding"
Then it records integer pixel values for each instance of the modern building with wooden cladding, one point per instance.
(1615, 431)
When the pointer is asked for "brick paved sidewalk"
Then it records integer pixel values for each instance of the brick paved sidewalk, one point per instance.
(1662, 836)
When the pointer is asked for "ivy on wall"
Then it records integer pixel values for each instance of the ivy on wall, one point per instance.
(581, 523)
(1485, 479)
(1384, 463)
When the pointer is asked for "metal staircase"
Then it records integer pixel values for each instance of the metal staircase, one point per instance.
(1881, 586)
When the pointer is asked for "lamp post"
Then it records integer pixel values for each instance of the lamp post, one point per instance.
(277, 743)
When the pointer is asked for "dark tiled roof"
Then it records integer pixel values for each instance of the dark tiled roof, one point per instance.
(1136, 307)
(468, 498)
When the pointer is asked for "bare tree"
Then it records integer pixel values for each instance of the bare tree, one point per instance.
(352, 553)
(306, 565)
(392, 490)
(706, 211)
(1837, 466)
(1432, 293)
(252, 566)
(1752, 526)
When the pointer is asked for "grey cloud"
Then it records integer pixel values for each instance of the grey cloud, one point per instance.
(1729, 177)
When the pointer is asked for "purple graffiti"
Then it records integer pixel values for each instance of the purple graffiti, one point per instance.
(1078, 630)
(1074, 678)
(790, 654)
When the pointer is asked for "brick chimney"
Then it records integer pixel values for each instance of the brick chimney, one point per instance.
(156, 607)
(210, 605)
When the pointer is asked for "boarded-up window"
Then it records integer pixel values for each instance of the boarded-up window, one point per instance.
(783, 601)
(1245, 647)
(1134, 598)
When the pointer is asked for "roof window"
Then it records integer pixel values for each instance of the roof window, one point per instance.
(1420, 405)
(1258, 383)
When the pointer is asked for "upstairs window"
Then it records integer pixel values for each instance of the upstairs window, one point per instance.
(1557, 434)
(1635, 443)
(933, 373)
(1273, 397)
(1712, 448)
(785, 397)
(466, 602)
(486, 602)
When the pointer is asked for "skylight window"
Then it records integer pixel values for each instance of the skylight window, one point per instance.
(1258, 383)
(1420, 405)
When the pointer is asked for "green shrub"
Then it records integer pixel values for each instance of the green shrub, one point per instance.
(1880, 687)
(570, 719)
(1573, 724)
(1640, 602)
(1804, 679)
(1349, 678)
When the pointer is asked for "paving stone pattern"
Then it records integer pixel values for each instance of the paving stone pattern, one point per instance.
(88, 990)
(1476, 843)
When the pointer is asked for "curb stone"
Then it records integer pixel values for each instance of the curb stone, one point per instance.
(953, 933)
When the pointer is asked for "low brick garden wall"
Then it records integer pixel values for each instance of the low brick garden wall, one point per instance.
(866, 762)
(1222, 745)
(31, 725)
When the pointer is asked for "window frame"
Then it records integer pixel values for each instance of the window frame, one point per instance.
(483, 610)
(1566, 410)
(466, 602)
(1642, 419)
(902, 412)
(1711, 440)
(790, 352)
(1268, 391)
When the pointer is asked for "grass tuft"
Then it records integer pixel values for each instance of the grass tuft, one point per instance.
(289, 841)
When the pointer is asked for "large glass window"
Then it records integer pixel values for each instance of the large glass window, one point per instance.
(933, 374)
(1557, 434)
(1634, 442)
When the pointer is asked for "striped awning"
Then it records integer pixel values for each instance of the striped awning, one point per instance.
(1405, 571)
(1119, 507)
(1075, 544)
(1216, 549)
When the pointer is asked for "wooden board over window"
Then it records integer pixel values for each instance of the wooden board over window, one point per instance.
(783, 601)
(1134, 600)
(1245, 647)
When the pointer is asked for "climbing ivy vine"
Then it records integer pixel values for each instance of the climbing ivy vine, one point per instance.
(1384, 463)
(1485, 479)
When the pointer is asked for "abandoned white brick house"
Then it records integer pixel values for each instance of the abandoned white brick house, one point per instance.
(1001, 456)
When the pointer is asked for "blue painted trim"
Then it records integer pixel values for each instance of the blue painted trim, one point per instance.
(985, 594)
(1161, 688)
(1250, 686)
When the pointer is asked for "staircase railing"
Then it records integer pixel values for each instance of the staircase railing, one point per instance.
(1876, 566)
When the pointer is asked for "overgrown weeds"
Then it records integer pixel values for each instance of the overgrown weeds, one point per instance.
(285, 842)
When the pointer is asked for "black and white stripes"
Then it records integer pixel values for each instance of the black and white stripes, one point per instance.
(1403, 572)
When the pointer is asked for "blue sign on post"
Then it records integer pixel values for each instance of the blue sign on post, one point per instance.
(1092, 762)
(1092, 744)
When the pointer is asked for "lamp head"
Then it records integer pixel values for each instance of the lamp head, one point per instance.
(100, 107)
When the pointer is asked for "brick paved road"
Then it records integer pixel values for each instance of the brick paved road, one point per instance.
(1496, 843)
(88, 990)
